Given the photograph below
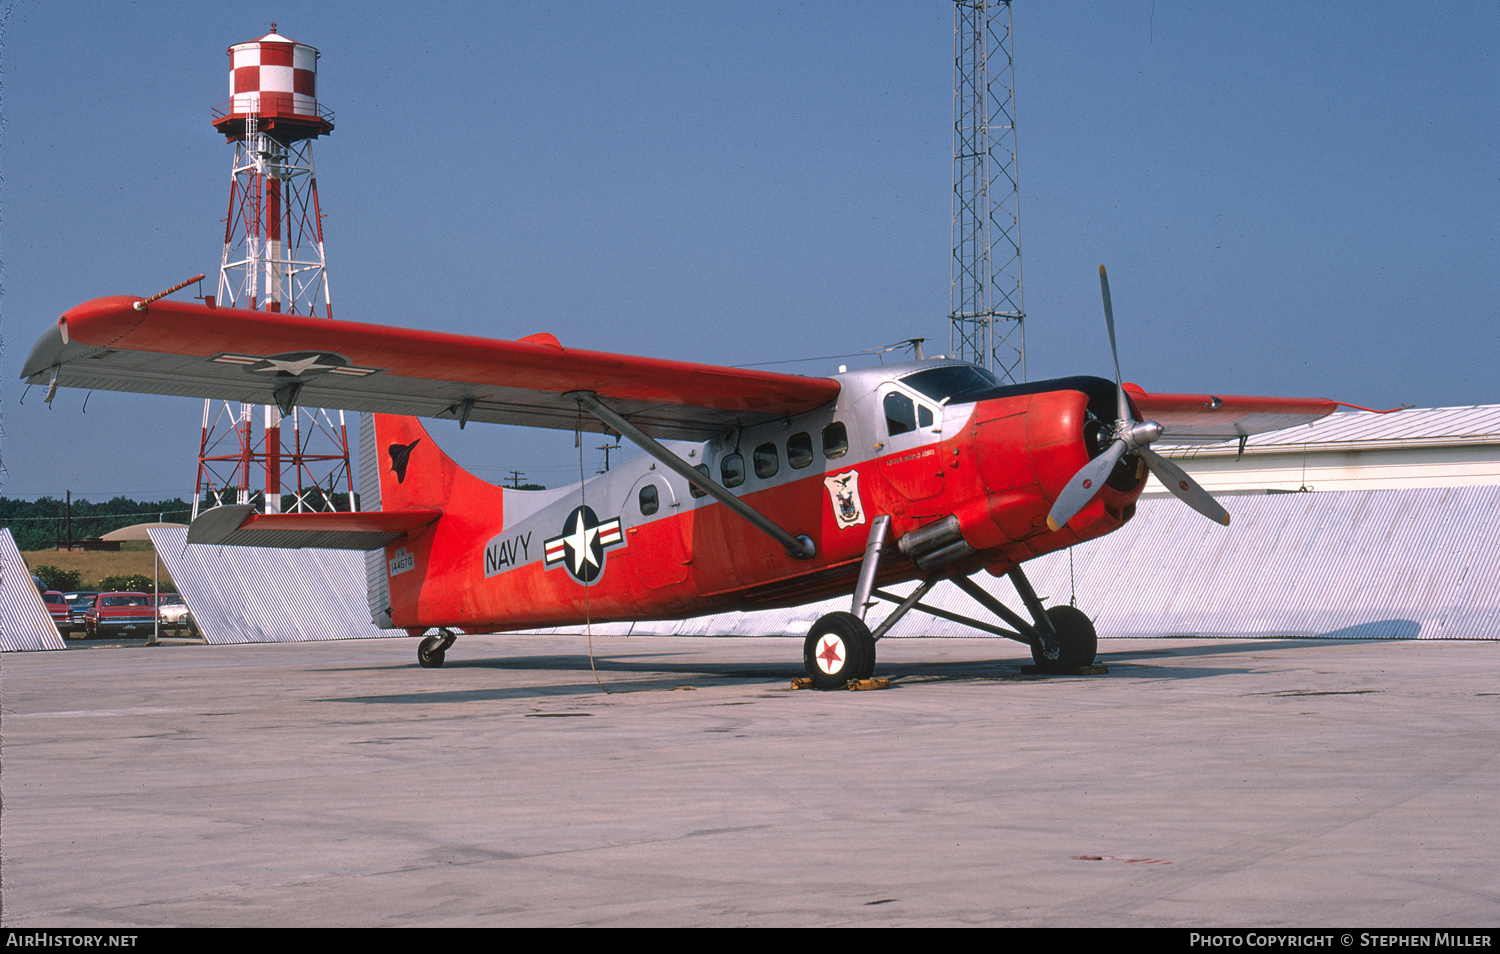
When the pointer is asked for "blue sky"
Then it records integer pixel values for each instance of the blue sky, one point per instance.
(1292, 199)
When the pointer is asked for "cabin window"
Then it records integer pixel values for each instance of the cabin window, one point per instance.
(924, 416)
(799, 452)
(649, 500)
(732, 470)
(835, 440)
(766, 460)
(693, 488)
(900, 414)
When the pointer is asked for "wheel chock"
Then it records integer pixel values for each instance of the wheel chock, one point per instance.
(857, 685)
(1097, 669)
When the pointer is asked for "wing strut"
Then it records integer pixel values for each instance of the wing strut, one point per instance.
(799, 547)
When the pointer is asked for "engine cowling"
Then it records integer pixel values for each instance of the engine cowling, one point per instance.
(1026, 442)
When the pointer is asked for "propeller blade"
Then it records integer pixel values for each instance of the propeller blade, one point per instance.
(1123, 407)
(1183, 487)
(1084, 485)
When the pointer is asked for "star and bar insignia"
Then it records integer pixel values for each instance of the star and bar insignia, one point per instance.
(582, 543)
(296, 364)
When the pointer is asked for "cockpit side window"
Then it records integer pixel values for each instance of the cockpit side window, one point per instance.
(900, 414)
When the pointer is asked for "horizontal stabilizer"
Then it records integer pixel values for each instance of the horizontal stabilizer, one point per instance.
(243, 526)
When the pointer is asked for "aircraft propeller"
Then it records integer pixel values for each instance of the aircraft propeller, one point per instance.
(1128, 436)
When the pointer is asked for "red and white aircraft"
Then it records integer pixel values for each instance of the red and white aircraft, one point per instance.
(775, 489)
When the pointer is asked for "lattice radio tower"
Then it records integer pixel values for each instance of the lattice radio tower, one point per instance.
(273, 260)
(987, 320)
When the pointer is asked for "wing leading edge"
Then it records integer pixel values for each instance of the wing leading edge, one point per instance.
(257, 357)
(1209, 418)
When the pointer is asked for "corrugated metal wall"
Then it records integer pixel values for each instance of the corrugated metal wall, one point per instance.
(25, 623)
(1359, 564)
(1371, 564)
(1365, 564)
(255, 595)
(377, 583)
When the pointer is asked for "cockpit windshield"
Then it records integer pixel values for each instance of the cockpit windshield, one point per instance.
(941, 384)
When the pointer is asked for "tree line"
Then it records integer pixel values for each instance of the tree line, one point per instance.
(43, 523)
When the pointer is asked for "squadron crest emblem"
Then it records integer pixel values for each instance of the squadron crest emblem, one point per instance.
(843, 490)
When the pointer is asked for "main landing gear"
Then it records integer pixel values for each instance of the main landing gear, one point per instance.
(840, 647)
(432, 650)
(1075, 644)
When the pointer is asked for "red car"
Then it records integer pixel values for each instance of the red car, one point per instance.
(119, 614)
(58, 608)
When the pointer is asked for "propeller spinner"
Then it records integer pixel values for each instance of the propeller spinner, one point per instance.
(1128, 436)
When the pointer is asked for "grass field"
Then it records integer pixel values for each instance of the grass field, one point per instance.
(93, 566)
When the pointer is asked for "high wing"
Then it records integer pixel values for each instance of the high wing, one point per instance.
(193, 350)
(1209, 418)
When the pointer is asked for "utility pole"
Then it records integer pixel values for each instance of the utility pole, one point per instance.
(607, 448)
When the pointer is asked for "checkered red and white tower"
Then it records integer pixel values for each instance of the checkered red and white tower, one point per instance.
(273, 260)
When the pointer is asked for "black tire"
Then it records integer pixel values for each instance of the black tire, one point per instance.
(838, 650)
(430, 653)
(1078, 641)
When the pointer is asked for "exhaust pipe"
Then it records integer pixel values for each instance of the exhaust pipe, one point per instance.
(936, 544)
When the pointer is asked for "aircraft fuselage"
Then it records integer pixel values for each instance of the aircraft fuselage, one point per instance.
(932, 444)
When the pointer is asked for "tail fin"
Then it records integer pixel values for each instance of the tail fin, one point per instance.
(402, 468)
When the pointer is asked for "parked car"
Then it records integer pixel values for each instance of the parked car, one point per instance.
(79, 603)
(58, 608)
(119, 614)
(175, 614)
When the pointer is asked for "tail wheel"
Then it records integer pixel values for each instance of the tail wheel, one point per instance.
(838, 649)
(1077, 642)
(431, 652)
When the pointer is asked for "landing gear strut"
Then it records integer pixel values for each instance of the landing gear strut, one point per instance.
(432, 650)
(1062, 639)
(840, 648)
